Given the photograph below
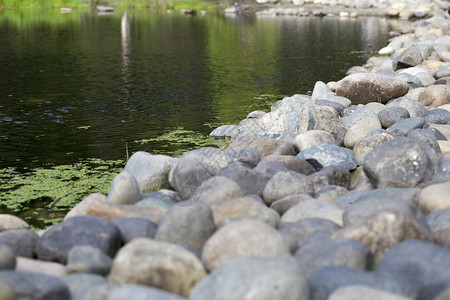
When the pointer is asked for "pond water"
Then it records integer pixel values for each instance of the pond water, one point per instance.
(80, 86)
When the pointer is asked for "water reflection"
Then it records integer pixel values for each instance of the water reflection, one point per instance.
(125, 37)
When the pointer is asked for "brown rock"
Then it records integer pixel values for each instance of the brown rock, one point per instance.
(81, 208)
(109, 211)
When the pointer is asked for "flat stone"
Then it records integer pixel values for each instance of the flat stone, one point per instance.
(226, 131)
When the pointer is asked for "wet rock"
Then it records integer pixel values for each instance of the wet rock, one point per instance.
(80, 284)
(241, 278)
(150, 171)
(401, 162)
(131, 228)
(434, 197)
(313, 209)
(283, 204)
(362, 88)
(242, 238)
(435, 95)
(56, 242)
(430, 265)
(356, 292)
(439, 219)
(313, 138)
(391, 115)
(135, 291)
(124, 190)
(88, 259)
(10, 222)
(27, 285)
(187, 225)
(245, 208)
(283, 184)
(25, 264)
(21, 241)
(291, 163)
(407, 125)
(330, 155)
(411, 57)
(318, 252)
(305, 228)
(157, 264)
(7, 258)
(248, 180)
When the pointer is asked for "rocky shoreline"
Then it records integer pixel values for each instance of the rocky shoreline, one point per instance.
(342, 194)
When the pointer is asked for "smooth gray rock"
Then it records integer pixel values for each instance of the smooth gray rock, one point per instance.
(249, 180)
(305, 228)
(437, 116)
(369, 143)
(313, 208)
(56, 242)
(423, 265)
(27, 285)
(326, 280)
(355, 114)
(426, 136)
(79, 284)
(408, 78)
(362, 88)
(150, 171)
(406, 125)
(442, 71)
(291, 163)
(401, 162)
(157, 264)
(263, 145)
(333, 175)
(320, 91)
(249, 156)
(313, 138)
(21, 241)
(283, 204)
(242, 238)
(330, 155)
(140, 292)
(415, 108)
(226, 131)
(257, 278)
(219, 189)
(7, 258)
(124, 189)
(357, 292)
(411, 57)
(131, 228)
(283, 184)
(391, 115)
(329, 192)
(336, 105)
(188, 225)
(439, 219)
(88, 259)
(318, 252)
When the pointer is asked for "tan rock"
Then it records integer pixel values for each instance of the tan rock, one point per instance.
(109, 210)
(434, 197)
(435, 95)
(445, 146)
(81, 208)
(55, 269)
(10, 222)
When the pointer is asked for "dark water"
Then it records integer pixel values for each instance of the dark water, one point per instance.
(81, 85)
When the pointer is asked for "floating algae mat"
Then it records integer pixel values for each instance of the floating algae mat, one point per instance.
(42, 196)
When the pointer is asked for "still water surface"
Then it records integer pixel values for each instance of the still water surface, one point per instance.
(81, 86)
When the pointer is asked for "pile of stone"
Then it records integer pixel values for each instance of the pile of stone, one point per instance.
(343, 194)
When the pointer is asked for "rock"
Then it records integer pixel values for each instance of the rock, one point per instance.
(10, 222)
(401, 162)
(325, 281)
(387, 51)
(330, 155)
(435, 95)
(150, 171)
(249, 156)
(135, 291)
(188, 225)
(81, 208)
(242, 238)
(158, 264)
(285, 149)
(409, 79)
(124, 190)
(56, 242)
(439, 219)
(226, 131)
(283, 184)
(338, 107)
(245, 208)
(371, 142)
(360, 130)
(429, 262)
(131, 228)
(354, 114)
(444, 295)
(80, 284)
(426, 136)
(313, 208)
(434, 197)
(283, 204)
(255, 114)
(27, 285)
(356, 69)
(330, 192)
(411, 57)
(407, 125)
(320, 91)
(291, 163)
(305, 228)
(249, 180)
(391, 115)
(318, 252)
(441, 238)
(22, 242)
(111, 211)
(414, 107)
(263, 145)
(88, 259)
(313, 138)
(25, 264)
(356, 292)
(443, 71)
(362, 88)
(402, 41)
(6, 292)
(7, 258)
(242, 278)
(219, 189)
(334, 175)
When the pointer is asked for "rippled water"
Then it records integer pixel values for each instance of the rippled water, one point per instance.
(81, 86)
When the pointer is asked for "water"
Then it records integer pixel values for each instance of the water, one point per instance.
(81, 86)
